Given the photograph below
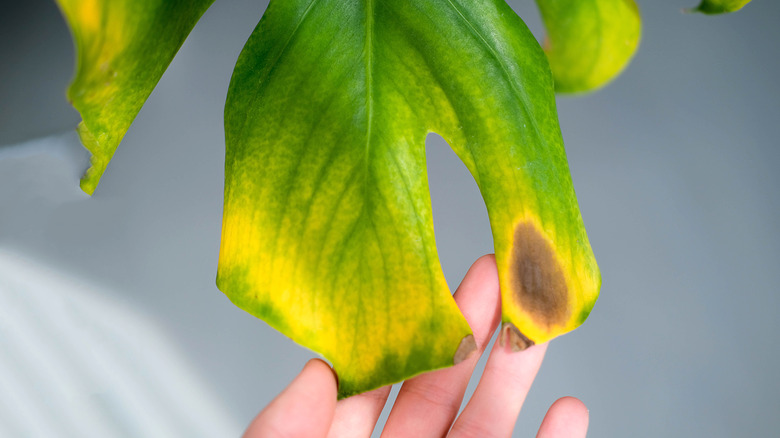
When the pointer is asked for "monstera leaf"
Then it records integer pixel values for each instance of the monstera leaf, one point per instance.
(720, 6)
(123, 48)
(327, 229)
(590, 41)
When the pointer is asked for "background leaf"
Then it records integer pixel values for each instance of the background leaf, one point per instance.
(327, 229)
(720, 6)
(589, 41)
(123, 48)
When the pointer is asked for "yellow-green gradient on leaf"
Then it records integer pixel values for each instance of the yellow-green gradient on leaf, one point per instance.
(328, 233)
(720, 6)
(123, 47)
(589, 42)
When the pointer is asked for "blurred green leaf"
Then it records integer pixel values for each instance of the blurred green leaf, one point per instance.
(327, 231)
(589, 41)
(720, 6)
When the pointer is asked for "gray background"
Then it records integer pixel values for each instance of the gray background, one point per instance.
(674, 165)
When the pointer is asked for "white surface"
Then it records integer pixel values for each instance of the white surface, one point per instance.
(75, 363)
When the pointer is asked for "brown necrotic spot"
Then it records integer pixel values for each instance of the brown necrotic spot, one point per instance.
(512, 338)
(466, 348)
(538, 283)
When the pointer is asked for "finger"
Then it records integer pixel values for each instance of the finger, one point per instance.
(304, 409)
(426, 405)
(356, 416)
(566, 418)
(493, 409)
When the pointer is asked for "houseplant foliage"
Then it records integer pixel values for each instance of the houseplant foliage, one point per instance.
(122, 50)
(720, 6)
(589, 41)
(327, 230)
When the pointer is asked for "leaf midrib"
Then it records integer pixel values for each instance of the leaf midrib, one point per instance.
(369, 79)
(521, 97)
(277, 58)
(369, 76)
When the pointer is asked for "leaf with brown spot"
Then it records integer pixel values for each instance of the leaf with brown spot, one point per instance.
(328, 232)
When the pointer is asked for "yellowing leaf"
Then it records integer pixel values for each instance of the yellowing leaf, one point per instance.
(327, 231)
(590, 41)
(123, 48)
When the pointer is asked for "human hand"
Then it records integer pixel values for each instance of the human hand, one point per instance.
(427, 405)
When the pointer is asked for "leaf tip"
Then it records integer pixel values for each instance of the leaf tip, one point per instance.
(98, 159)
(512, 338)
(466, 348)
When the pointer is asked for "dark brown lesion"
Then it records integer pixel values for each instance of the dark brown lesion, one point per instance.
(537, 280)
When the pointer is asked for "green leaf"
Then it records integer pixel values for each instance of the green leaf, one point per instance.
(720, 6)
(590, 41)
(123, 47)
(327, 231)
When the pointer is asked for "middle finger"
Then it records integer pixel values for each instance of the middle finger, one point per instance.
(427, 404)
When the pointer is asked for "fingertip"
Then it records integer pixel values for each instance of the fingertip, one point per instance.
(305, 408)
(572, 404)
(483, 269)
(574, 410)
(489, 259)
(316, 381)
(479, 299)
(321, 372)
(567, 417)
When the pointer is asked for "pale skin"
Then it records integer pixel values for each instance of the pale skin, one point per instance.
(427, 405)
